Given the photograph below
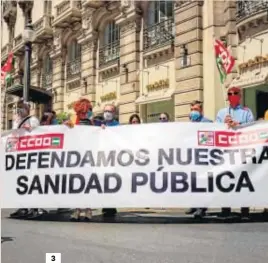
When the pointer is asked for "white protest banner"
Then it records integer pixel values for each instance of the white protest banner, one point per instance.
(150, 165)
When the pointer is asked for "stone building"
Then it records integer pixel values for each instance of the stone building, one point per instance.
(145, 57)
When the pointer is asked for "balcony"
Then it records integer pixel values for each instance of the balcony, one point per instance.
(247, 9)
(9, 11)
(73, 69)
(93, 4)
(109, 54)
(159, 35)
(43, 28)
(18, 45)
(67, 12)
(47, 80)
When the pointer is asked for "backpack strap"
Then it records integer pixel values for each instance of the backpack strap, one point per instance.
(23, 121)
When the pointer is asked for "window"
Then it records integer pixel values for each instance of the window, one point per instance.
(74, 51)
(160, 28)
(47, 7)
(111, 34)
(109, 52)
(47, 65)
(160, 11)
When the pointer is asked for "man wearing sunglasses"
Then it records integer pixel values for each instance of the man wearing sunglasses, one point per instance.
(109, 113)
(233, 116)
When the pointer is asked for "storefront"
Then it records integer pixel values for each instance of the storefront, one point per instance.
(256, 98)
(152, 111)
(157, 92)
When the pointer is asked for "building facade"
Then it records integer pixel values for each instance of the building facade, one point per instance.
(145, 57)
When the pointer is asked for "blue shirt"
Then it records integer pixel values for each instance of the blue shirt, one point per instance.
(107, 123)
(204, 119)
(111, 123)
(240, 114)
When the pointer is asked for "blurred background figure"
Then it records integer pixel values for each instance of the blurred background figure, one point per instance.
(134, 119)
(164, 117)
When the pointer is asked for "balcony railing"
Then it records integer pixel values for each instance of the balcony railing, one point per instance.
(73, 68)
(47, 80)
(159, 34)
(109, 53)
(248, 8)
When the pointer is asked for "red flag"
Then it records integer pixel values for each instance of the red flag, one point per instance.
(7, 66)
(224, 55)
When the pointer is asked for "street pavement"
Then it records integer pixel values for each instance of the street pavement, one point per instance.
(26, 241)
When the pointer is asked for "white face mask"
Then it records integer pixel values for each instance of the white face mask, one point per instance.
(108, 116)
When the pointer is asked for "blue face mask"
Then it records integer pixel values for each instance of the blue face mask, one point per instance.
(195, 116)
(89, 114)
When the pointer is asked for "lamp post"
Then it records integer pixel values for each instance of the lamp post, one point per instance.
(28, 35)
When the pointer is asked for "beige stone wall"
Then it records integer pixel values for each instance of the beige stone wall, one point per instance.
(197, 23)
(189, 80)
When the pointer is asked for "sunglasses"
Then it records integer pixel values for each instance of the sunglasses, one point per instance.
(108, 111)
(162, 119)
(233, 93)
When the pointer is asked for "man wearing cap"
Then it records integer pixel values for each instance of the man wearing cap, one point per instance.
(234, 115)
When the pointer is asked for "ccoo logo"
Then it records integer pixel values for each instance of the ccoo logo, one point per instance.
(36, 142)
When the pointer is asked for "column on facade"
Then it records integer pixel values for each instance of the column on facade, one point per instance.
(88, 40)
(3, 110)
(129, 62)
(58, 56)
(230, 32)
(189, 79)
(213, 28)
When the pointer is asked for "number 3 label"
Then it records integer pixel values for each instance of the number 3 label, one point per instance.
(53, 257)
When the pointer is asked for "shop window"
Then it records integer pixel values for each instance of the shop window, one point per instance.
(110, 44)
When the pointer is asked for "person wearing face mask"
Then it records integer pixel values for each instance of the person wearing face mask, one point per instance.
(109, 120)
(28, 122)
(196, 115)
(164, 117)
(234, 115)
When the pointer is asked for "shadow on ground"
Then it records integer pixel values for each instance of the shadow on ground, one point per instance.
(6, 239)
(156, 218)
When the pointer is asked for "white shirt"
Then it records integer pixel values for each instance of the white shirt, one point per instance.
(33, 122)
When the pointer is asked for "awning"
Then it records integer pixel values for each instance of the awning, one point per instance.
(36, 94)
(251, 79)
(155, 97)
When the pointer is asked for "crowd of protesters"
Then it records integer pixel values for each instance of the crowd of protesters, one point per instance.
(233, 115)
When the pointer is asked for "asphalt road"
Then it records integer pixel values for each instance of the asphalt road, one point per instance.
(28, 241)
